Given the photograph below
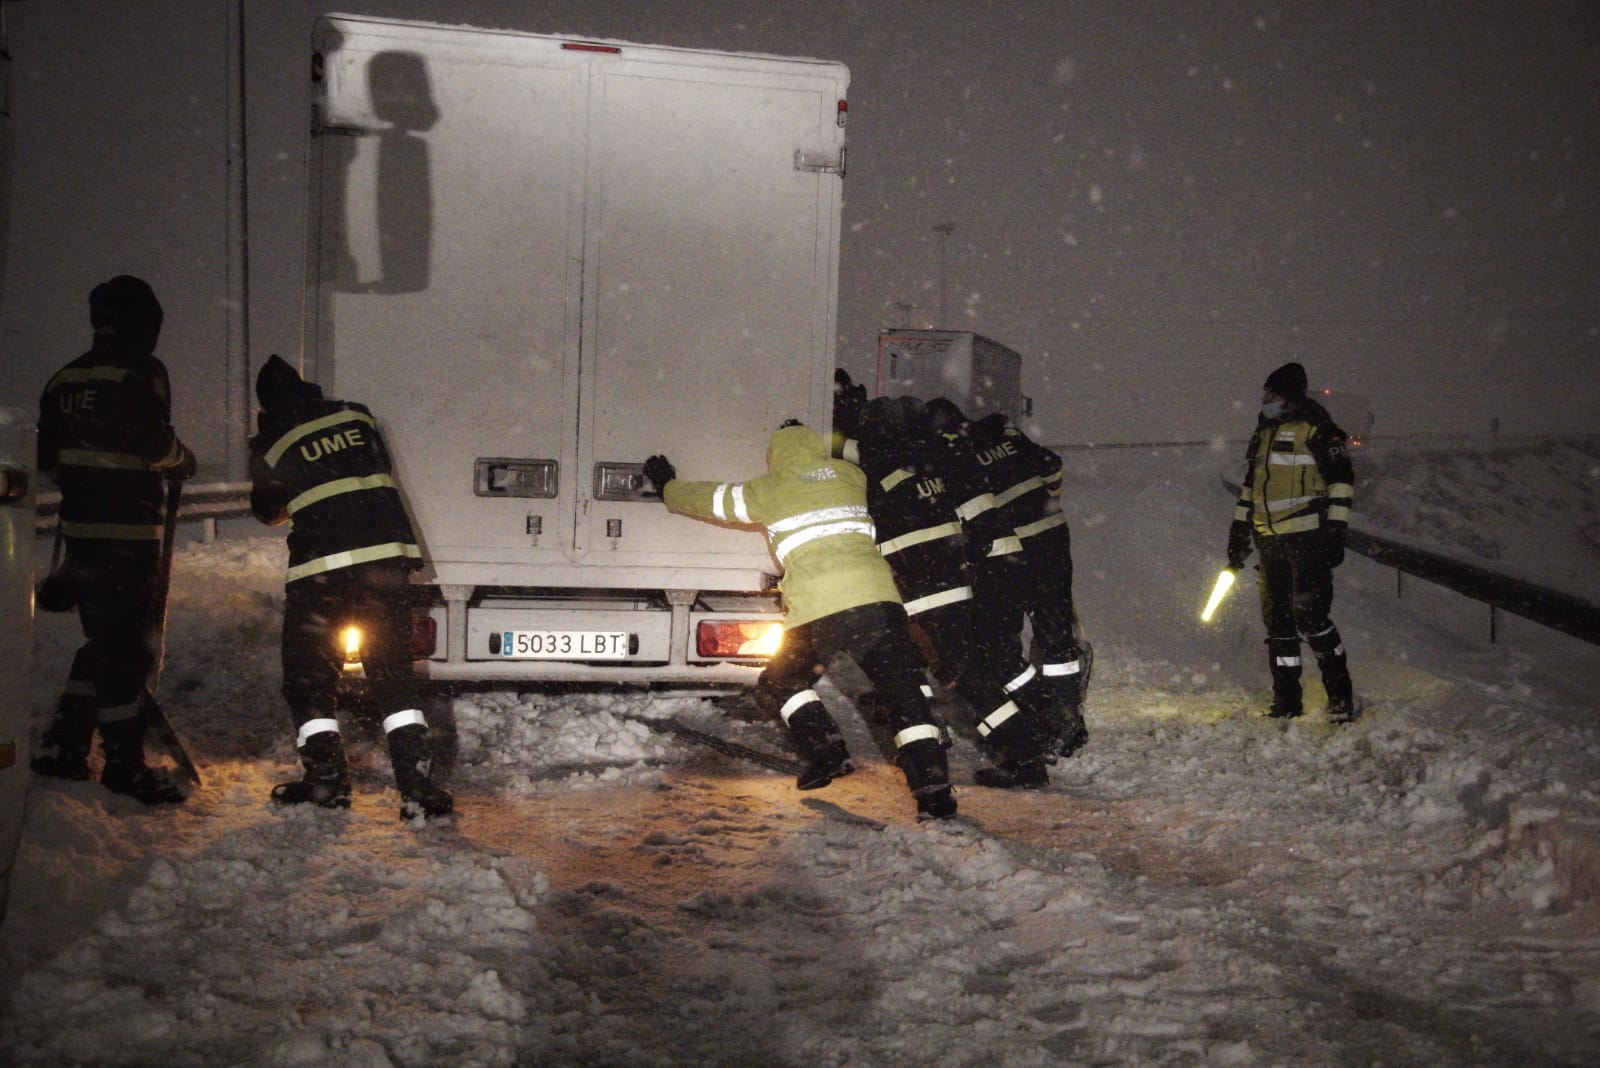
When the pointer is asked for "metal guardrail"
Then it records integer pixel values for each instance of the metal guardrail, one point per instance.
(201, 500)
(1551, 608)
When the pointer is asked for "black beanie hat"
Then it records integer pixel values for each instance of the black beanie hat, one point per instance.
(278, 383)
(944, 417)
(127, 307)
(1288, 382)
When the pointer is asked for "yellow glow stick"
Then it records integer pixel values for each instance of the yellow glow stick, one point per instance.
(1218, 592)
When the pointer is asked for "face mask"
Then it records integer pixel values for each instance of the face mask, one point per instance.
(1275, 410)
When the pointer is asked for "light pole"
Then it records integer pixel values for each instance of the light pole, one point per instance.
(944, 230)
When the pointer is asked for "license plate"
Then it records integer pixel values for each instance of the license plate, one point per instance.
(564, 645)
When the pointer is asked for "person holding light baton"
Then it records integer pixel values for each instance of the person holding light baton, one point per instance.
(1294, 505)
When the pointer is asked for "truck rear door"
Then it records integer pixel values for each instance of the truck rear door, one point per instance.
(710, 241)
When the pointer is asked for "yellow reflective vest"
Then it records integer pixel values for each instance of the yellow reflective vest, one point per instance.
(1298, 475)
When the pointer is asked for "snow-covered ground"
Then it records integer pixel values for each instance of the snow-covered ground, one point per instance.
(1199, 885)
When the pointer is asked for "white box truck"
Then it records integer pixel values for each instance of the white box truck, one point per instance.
(978, 373)
(17, 487)
(542, 260)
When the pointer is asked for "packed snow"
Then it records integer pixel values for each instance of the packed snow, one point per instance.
(1198, 885)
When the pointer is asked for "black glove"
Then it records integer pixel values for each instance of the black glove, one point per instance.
(1238, 544)
(1333, 544)
(659, 470)
(186, 467)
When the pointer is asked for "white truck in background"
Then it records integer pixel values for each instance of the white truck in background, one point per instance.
(978, 373)
(540, 261)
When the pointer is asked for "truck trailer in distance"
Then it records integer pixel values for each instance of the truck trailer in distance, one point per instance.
(979, 374)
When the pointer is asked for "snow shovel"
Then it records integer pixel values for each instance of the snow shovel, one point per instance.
(155, 719)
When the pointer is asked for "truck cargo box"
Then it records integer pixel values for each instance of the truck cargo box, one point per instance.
(541, 260)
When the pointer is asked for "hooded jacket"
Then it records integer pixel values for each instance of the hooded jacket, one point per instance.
(105, 423)
(1025, 477)
(321, 464)
(813, 509)
(913, 509)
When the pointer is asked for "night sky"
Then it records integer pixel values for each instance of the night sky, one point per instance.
(1156, 203)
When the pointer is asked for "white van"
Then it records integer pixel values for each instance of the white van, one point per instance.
(541, 260)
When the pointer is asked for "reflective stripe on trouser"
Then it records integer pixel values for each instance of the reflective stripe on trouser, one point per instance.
(409, 717)
(313, 727)
(1328, 648)
(794, 704)
(1283, 655)
(997, 718)
(321, 749)
(920, 733)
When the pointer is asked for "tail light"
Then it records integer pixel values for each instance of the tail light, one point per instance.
(738, 638)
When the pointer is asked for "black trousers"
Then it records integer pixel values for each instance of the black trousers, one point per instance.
(1048, 589)
(114, 585)
(1296, 598)
(374, 597)
(876, 637)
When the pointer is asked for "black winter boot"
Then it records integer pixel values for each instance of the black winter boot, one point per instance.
(1335, 668)
(1019, 748)
(821, 747)
(63, 751)
(1008, 774)
(326, 781)
(126, 772)
(412, 758)
(928, 776)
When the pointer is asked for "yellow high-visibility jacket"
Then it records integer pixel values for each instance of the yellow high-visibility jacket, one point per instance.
(813, 509)
(1298, 475)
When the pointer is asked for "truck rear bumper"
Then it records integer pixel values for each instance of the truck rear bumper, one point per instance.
(503, 635)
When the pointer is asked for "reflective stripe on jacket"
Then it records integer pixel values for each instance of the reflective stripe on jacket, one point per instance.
(106, 437)
(1298, 476)
(322, 465)
(1024, 476)
(914, 511)
(813, 509)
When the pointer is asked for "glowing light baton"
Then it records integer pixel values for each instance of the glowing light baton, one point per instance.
(1218, 592)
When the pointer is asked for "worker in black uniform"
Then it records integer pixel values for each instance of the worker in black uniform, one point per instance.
(1294, 503)
(321, 464)
(1005, 590)
(1026, 479)
(913, 508)
(838, 597)
(106, 438)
